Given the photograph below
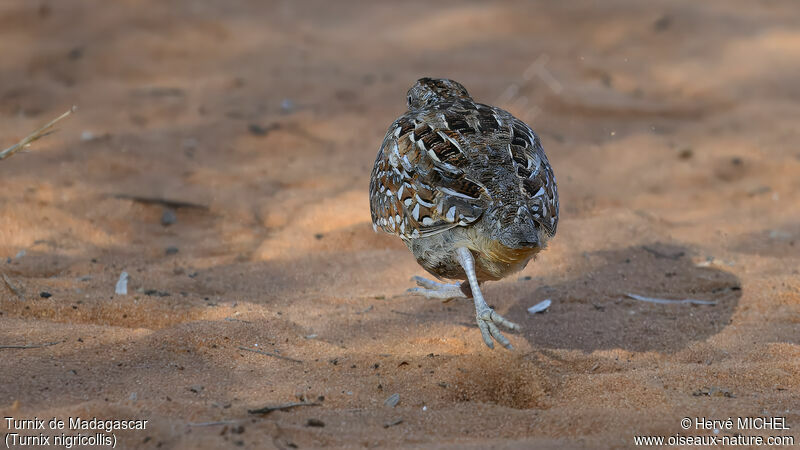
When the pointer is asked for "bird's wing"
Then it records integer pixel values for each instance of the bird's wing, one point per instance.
(538, 183)
(419, 185)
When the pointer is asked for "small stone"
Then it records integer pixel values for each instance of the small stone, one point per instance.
(392, 401)
(155, 293)
(259, 130)
(171, 250)
(779, 234)
(168, 217)
(75, 53)
(662, 23)
(393, 423)
(540, 307)
(713, 391)
(758, 190)
(122, 284)
(44, 294)
(315, 423)
(189, 143)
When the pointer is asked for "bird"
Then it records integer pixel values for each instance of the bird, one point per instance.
(469, 190)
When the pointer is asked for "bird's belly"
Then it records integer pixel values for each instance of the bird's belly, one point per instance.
(493, 260)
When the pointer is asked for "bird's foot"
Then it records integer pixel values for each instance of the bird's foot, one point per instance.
(434, 289)
(488, 320)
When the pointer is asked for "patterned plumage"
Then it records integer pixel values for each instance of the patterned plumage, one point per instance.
(455, 173)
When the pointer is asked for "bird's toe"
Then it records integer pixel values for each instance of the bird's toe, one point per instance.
(488, 320)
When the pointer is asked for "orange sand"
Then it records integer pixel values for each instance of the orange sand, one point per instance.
(672, 127)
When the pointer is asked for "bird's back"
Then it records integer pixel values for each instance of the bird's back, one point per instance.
(454, 163)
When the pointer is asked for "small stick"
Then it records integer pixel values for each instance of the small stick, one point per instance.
(169, 203)
(261, 352)
(665, 301)
(393, 423)
(46, 344)
(285, 406)
(211, 424)
(232, 319)
(43, 131)
(12, 288)
(659, 254)
(368, 309)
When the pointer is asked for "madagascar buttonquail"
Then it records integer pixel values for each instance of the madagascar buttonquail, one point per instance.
(469, 189)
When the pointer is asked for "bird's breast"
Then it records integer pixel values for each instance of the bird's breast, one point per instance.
(494, 261)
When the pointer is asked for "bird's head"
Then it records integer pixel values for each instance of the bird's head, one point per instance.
(427, 91)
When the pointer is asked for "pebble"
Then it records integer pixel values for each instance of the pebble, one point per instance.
(155, 293)
(258, 130)
(392, 401)
(122, 284)
(540, 307)
(168, 217)
(315, 423)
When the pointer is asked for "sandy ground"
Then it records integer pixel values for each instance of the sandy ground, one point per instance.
(672, 129)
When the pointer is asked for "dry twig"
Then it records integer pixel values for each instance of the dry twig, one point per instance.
(393, 423)
(46, 344)
(285, 406)
(274, 355)
(233, 319)
(12, 288)
(167, 202)
(29, 139)
(211, 424)
(665, 301)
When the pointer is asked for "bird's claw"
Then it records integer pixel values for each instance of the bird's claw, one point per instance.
(488, 320)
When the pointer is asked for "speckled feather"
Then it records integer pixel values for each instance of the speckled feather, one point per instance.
(449, 162)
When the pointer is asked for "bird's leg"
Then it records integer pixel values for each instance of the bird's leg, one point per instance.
(434, 289)
(487, 318)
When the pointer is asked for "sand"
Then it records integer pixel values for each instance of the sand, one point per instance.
(672, 130)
